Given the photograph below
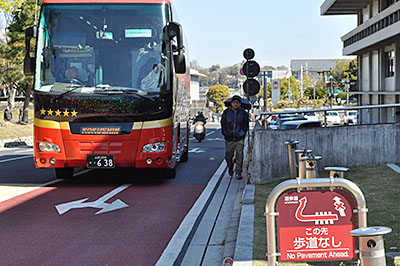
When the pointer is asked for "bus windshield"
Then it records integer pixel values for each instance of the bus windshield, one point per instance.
(102, 48)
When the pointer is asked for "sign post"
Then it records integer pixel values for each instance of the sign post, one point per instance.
(276, 91)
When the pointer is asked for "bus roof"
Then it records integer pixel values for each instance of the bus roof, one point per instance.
(105, 1)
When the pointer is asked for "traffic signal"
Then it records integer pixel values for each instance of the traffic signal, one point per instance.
(250, 69)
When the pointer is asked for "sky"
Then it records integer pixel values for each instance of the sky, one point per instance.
(218, 31)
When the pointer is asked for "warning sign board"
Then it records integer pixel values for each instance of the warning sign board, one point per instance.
(315, 226)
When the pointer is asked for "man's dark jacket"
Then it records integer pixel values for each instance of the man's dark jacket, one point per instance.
(235, 124)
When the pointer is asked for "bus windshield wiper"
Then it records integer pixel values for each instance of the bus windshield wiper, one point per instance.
(73, 87)
(128, 91)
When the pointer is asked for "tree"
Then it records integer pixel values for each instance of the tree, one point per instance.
(11, 63)
(281, 67)
(222, 79)
(215, 68)
(345, 70)
(195, 65)
(352, 73)
(294, 87)
(217, 94)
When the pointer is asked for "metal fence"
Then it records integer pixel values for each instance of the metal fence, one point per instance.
(322, 114)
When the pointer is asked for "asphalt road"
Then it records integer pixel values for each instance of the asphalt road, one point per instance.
(101, 217)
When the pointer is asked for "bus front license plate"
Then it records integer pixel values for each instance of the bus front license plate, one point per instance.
(100, 161)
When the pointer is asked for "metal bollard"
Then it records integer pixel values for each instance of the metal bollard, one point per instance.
(372, 248)
(311, 165)
(291, 148)
(301, 164)
(337, 172)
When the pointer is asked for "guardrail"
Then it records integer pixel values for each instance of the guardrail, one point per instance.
(265, 115)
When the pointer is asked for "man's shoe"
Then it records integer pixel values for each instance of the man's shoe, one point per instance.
(230, 171)
(238, 176)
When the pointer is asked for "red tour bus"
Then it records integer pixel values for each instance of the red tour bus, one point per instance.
(111, 86)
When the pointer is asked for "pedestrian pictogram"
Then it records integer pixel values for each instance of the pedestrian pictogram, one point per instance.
(339, 206)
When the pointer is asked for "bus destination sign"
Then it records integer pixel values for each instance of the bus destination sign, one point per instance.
(100, 130)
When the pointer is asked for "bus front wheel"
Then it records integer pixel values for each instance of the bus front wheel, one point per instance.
(169, 173)
(64, 173)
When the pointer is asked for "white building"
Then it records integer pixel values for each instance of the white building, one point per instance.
(198, 99)
(376, 43)
(312, 67)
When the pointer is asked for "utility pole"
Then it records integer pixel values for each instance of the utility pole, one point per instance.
(301, 83)
(263, 74)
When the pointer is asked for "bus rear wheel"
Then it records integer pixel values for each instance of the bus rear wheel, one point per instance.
(64, 173)
(185, 155)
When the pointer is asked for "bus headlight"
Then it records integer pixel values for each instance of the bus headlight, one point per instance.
(48, 147)
(154, 147)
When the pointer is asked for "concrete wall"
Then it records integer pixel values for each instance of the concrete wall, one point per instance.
(351, 146)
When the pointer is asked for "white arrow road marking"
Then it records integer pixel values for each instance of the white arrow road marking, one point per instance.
(196, 150)
(98, 204)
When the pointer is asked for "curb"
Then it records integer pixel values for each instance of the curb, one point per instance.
(177, 242)
(245, 237)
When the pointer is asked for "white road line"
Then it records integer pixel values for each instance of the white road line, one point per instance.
(29, 189)
(83, 172)
(394, 167)
(14, 159)
(210, 133)
(21, 151)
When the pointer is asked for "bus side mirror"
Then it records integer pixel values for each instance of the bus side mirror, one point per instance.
(180, 63)
(29, 62)
(172, 30)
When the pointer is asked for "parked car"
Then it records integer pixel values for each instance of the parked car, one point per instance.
(333, 118)
(300, 124)
(351, 118)
(312, 116)
(274, 124)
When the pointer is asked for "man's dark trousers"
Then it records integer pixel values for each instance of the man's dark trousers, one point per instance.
(234, 148)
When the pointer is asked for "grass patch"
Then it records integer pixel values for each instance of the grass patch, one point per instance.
(381, 188)
(13, 130)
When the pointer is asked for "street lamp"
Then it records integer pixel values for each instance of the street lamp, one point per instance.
(347, 90)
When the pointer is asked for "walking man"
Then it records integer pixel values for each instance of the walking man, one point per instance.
(235, 124)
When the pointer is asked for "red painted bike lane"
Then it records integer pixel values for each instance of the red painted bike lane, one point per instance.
(33, 232)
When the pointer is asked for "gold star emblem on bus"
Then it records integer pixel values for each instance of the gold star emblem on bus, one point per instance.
(42, 111)
(66, 113)
(58, 112)
(74, 113)
(50, 112)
